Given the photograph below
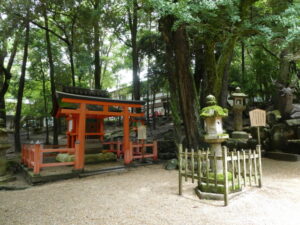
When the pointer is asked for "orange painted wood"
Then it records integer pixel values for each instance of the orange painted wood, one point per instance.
(126, 139)
(97, 102)
(100, 113)
(37, 159)
(72, 150)
(81, 136)
(57, 164)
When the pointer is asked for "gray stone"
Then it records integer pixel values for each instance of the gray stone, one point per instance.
(240, 135)
(293, 122)
(171, 164)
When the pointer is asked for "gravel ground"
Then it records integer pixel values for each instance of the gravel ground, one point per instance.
(148, 195)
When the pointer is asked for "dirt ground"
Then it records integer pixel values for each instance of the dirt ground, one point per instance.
(148, 195)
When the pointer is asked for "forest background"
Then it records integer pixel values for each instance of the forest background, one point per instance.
(188, 48)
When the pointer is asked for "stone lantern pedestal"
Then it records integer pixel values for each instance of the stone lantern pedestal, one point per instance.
(214, 133)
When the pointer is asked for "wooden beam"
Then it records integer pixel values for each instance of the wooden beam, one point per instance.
(90, 102)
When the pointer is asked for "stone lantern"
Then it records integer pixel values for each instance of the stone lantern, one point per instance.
(4, 145)
(214, 133)
(239, 105)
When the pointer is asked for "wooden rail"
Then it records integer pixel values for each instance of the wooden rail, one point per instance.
(139, 150)
(244, 168)
(33, 156)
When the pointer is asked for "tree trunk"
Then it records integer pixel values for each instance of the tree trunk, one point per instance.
(216, 69)
(284, 66)
(165, 26)
(97, 71)
(70, 48)
(224, 92)
(7, 76)
(133, 22)
(21, 89)
(45, 106)
(52, 81)
(188, 96)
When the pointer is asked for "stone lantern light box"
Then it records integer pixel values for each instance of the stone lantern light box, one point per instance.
(212, 115)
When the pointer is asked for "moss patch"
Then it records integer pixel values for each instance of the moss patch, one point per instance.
(211, 188)
(213, 111)
(89, 158)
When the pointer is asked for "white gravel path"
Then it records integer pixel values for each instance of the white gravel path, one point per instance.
(148, 195)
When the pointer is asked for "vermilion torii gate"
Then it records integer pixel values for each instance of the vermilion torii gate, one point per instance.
(77, 108)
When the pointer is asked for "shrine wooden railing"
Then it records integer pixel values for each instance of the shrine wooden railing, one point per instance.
(115, 146)
(33, 156)
(240, 169)
(141, 150)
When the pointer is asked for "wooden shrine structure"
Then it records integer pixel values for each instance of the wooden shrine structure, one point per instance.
(89, 104)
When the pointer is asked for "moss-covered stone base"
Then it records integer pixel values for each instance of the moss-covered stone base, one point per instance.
(89, 158)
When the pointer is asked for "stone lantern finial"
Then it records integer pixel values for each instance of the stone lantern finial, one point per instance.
(211, 100)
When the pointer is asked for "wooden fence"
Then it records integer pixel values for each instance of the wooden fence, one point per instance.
(240, 169)
(33, 156)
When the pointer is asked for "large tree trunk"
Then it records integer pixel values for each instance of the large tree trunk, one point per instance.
(182, 84)
(6, 80)
(187, 90)
(97, 71)
(217, 69)
(166, 24)
(52, 80)
(21, 89)
(133, 22)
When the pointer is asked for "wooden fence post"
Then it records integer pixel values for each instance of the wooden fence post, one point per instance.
(180, 168)
(193, 165)
(37, 166)
(76, 164)
(155, 150)
(199, 167)
(224, 154)
(258, 147)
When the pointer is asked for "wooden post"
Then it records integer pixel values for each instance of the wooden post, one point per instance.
(258, 135)
(76, 163)
(199, 167)
(180, 169)
(207, 167)
(255, 166)
(81, 135)
(186, 163)
(193, 163)
(233, 171)
(155, 150)
(118, 149)
(224, 154)
(37, 160)
(250, 166)
(101, 129)
(244, 169)
(239, 168)
(126, 139)
(258, 147)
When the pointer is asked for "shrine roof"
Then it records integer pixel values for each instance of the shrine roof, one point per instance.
(60, 95)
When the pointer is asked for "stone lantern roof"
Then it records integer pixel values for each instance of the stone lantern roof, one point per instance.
(213, 110)
(238, 93)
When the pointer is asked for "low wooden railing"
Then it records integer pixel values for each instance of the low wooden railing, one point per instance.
(244, 167)
(33, 156)
(139, 150)
(115, 146)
